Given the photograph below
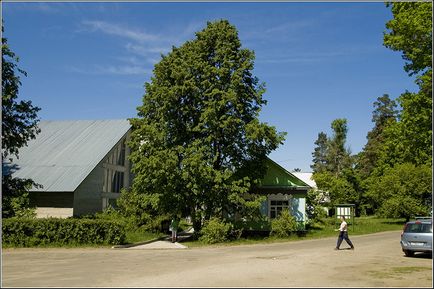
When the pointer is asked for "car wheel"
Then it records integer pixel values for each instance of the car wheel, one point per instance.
(408, 253)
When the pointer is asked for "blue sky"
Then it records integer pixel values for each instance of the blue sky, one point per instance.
(319, 60)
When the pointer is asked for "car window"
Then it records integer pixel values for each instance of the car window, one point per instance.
(418, 228)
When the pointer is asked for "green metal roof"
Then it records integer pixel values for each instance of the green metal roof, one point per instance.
(278, 177)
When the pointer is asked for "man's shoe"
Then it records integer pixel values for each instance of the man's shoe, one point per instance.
(352, 248)
(337, 249)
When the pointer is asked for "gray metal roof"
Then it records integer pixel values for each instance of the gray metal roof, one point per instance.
(306, 177)
(65, 152)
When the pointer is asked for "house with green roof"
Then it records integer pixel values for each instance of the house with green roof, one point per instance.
(283, 191)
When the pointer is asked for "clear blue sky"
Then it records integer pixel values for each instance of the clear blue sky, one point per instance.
(319, 60)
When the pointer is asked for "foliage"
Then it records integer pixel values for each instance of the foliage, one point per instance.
(314, 206)
(330, 154)
(320, 153)
(19, 118)
(384, 115)
(392, 175)
(197, 144)
(19, 125)
(19, 232)
(15, 197)
(139, 209)
(339, 188)
(215, 231)
(410, 139)
(336, 175)
(247, 205)
(283, 225)
(133, 222)
(258, 225)
(403, 191)
(411, 33)
(338, 157)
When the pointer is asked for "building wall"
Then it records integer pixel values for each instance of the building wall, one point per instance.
(87, 197)
(117, 173)
(100, 189)
(46, 212)
(297, 204)
(52, 204)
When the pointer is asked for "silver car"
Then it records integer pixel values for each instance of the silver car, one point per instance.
(417, 237)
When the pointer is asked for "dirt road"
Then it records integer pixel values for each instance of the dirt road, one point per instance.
(377, 261)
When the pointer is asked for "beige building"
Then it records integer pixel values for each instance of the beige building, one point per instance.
(82, 166)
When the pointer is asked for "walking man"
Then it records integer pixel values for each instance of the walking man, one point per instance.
(343, 234)
(174, 228)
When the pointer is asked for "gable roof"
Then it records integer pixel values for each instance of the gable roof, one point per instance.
(65, 152)
(306, 177)
(277, 176)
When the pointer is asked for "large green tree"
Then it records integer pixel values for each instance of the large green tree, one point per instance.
(400, 184)
(410, 31)
(19, 125)
(197, 144)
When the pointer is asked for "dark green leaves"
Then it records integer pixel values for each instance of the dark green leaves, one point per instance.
(197, 142)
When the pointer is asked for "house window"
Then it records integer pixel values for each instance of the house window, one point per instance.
(276, 207)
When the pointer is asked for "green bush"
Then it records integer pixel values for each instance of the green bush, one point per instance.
(20, 232)
(215, 231)
(284, 225)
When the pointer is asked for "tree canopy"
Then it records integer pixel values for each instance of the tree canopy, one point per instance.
(392, 175)
(197, 143)
(19, 125)
(19, 117)
(410, 31)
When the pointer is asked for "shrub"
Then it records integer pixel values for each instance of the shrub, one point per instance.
(215, 231)
(283, 225)
(19, 232)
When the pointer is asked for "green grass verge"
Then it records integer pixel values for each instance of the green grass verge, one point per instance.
(361, 226)
(141, 236)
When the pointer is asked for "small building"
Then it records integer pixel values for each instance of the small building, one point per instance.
(82, 166)
(284, 191)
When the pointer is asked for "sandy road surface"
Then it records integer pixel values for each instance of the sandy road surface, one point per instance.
(377, 262)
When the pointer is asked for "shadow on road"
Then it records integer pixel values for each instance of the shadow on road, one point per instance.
(422, 255)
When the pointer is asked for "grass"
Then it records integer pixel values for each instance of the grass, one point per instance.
(396, 272)
(361, 226)
(141, 236)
